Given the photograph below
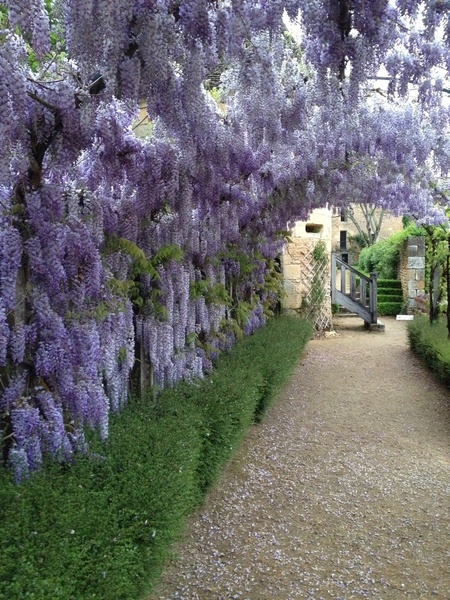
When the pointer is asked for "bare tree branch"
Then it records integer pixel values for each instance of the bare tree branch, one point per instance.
(370, 229)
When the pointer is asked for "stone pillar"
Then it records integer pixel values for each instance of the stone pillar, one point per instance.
(412, 272)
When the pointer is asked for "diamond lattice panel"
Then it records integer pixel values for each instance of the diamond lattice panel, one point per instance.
(316, 300)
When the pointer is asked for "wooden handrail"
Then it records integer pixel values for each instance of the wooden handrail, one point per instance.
(359, 293)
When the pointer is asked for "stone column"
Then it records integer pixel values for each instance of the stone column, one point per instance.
(412, 272)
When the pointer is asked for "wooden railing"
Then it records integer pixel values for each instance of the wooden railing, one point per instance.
(353, 290)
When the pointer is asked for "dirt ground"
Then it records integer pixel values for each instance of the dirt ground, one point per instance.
(342, 492)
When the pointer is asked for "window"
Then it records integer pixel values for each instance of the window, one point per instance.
(343, 214)
(313, 228)
(343, 240)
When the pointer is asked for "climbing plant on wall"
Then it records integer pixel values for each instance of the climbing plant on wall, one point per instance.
(316, 300)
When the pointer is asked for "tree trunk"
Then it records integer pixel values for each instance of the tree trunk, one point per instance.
(372, 222)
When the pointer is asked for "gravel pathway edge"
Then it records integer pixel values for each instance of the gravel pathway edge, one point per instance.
(342, 492)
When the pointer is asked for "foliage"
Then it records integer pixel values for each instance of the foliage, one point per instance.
(389, 284)
(314, 301)
(101, 527)
(368, 231)
(390, 300)
(430, 342)
(437, 273)
(383, 257)
(359, 240)
(389, 294)
(213, 294)
(390, 308)
(318, 293)
(140, 267)
(298, 126)
(335, 307)
(320, 253)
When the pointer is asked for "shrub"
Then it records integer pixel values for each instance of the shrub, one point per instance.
(390, 299)
(430, 342)
(389, 296)
(384, 256)
(390, 308)
(102, 526)
(389, 284)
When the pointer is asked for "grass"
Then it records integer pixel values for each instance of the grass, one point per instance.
(431, 343)
(101, 528)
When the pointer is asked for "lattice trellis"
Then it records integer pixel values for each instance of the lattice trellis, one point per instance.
(316, 304)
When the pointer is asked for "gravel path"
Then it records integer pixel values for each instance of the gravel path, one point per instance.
(343, 491)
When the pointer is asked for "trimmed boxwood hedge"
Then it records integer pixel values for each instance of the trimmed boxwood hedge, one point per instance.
(392, 293)
(102, 526)
(389, 283)
(390, 299)
(431, 343)
(390, 308)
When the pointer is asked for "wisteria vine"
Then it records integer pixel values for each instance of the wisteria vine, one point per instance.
(159, 242)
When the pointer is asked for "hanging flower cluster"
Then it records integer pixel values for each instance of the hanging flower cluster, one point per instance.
(159, 234)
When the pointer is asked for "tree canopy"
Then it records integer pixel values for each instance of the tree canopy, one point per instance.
(113, 243)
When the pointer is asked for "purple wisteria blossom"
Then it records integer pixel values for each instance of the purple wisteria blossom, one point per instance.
(148, 171)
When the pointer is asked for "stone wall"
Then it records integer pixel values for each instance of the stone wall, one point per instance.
(297, 264)
(412, 272)
(389, 225)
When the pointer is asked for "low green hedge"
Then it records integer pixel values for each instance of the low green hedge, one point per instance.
(101, 527)
(389, 297)
(390, 308)
(389, 283)
(390, 293)
(431, 343)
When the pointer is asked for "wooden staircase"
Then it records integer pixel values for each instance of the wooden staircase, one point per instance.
(354, 291)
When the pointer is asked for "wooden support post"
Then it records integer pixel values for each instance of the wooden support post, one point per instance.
(353, 285)
(333, 278)
(373, 297)
(363, 292)
(343, 279)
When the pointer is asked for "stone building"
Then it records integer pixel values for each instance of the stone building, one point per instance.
(335, 231)
(303, 273)
(345, 232)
